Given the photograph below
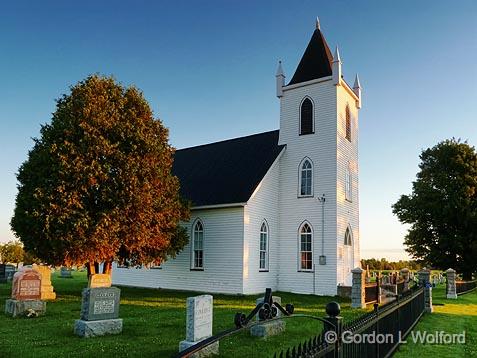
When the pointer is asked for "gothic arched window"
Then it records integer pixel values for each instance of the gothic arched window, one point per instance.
(263, 247)
(306, 247)
(198, 246)
(348, 183)
(347, 238)
(306, 117)
(348, 123)
(306, 178)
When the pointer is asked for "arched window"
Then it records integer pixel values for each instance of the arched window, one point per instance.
(348, 123)
(306, 178)
(348, 183)
(198, 246)
(306, 117)
(263, 247)
(306, 247)
(347, 238)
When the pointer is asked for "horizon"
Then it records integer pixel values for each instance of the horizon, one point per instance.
(417, 92)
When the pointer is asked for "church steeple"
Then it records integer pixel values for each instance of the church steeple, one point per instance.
(316, 61)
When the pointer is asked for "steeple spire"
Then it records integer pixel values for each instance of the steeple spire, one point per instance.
(316, 61)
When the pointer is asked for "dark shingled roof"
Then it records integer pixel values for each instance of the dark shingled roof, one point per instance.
(225, 172)
(316, 61)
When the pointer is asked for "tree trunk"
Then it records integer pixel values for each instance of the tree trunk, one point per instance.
(90, 267)
(107, 266)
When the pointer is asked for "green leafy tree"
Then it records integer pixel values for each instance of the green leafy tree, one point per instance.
(97, 185)
(442, 208)
(12, 251)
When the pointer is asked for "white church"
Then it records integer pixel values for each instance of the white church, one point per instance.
(278, 209)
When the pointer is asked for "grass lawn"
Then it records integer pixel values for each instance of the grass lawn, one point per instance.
(450, 316)
(154, 323)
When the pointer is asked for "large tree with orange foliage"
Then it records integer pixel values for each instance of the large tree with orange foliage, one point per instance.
(97, 185)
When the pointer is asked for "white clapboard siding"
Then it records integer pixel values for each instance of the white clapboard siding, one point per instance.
(320, 147)
(347, 211)
(263, 205)
(223, 258)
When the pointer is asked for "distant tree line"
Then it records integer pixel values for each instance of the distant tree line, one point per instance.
(383, 264)
(13, 252)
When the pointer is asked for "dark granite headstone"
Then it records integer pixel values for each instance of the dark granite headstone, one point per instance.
(3, 273)
(100, 303)
(10, 271)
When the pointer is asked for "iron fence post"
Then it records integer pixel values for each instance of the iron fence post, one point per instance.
(334, 322)
(376, 310)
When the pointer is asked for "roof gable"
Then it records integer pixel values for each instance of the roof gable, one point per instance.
(225, 172)
(316, 60)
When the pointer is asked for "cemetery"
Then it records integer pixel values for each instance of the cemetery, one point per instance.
(165, 322)
(154, 323)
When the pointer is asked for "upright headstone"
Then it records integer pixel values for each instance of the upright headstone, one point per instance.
(424, 281)
(47, 292)
(99, 312)
(99, 280)
(3, 273)
(405, 277)
(451, 286)
(9, 272)
(65, 272)
(358, 294)
(26, 294)
(199, 319)
(271, 328)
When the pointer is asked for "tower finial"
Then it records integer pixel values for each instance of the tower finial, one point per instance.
(336, 68)
(336, 56)
(318, 23)
(357, 91)
(356, 85)
(280, 76)
(280, 69)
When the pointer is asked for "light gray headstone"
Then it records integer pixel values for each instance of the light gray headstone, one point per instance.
(199, 317)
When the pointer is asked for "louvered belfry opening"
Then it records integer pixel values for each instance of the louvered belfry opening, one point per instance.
(306, 117)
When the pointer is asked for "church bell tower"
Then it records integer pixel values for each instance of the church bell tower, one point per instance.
(319, 201)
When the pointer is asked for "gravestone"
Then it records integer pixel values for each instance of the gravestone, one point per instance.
(3, 273)
(424, 281)
(267, 329)
(47, 292)
(99, 312)
(405, 276)
(199, 325)
(99, 280)
(26, 294)
(65, 273)
(9, 272)
(451, 285)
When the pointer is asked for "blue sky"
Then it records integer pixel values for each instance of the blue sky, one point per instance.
(207, 68)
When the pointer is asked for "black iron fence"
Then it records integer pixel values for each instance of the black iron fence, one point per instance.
(465, 286)
(375, 334)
